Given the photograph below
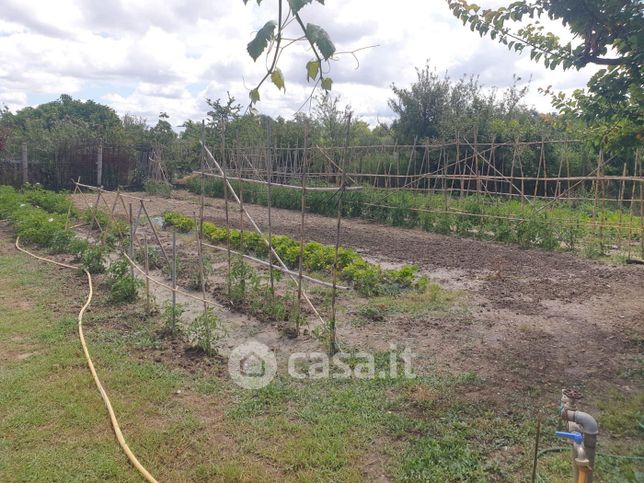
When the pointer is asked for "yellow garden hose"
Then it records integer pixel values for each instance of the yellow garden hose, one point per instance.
(106, 399)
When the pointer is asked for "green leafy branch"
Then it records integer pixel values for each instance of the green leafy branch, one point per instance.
(270, 39)
(592, 47)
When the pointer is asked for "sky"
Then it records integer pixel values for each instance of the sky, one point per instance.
(142, 57)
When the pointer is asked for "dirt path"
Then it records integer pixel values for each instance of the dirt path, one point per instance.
(535, 318)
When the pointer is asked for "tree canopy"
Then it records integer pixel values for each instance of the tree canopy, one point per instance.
(607, 33)
(437, 107)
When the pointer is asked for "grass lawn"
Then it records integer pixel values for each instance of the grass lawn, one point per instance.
(187, 424)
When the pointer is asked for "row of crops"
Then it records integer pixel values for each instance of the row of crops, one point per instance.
(541, 224)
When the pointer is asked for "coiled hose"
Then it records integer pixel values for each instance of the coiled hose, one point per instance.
(115, 424)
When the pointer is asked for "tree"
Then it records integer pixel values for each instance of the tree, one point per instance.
(604, 32)
(54, 125)
(330, 119)
(435, 107)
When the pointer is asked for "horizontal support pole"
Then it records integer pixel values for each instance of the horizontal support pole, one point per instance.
(257, 181)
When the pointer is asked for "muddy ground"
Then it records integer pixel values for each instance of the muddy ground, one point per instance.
(534, 321)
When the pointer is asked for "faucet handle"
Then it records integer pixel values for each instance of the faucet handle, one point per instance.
(574, 436)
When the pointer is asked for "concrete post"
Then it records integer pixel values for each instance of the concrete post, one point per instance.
(25, 164)
(99, 166)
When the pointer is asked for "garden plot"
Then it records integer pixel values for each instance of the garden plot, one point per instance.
(493, 298)
(489, 361)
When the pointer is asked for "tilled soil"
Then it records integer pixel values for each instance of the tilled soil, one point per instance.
(535, 318)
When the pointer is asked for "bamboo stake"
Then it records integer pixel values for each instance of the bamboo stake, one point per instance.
(411, 158)
(514, 156)
(333, 346)
(536, 451)
(269, 168)
(228, 257)
(147, 276)
(302, 208)
(620, 204)
(174, 281)
(545, 168)
(596, 189)
(202, 273)
(156, 235)
(130, 248)
(641, 206)
(203, 179)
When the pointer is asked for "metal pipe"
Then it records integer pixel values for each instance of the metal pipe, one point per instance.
(578, 421)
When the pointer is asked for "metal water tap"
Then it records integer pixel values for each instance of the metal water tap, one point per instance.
(582, 430)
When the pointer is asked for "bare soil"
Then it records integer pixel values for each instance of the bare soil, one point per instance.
(535, 320)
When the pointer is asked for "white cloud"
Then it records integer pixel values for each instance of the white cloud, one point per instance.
(143, 57)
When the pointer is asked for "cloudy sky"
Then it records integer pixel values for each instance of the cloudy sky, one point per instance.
(146, 56)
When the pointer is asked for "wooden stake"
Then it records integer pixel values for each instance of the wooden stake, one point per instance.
(302, 208)
(269, 175)
(536, 451)
(130, 249)
(147, 277)
(202, 272)
(333, 346)
(174, 281)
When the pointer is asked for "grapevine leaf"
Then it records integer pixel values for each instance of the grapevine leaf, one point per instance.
(327, 82)
(296, 5)
(258, 44)
(254, 96)
(312, 69)
(318, 36)
(278, 79)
